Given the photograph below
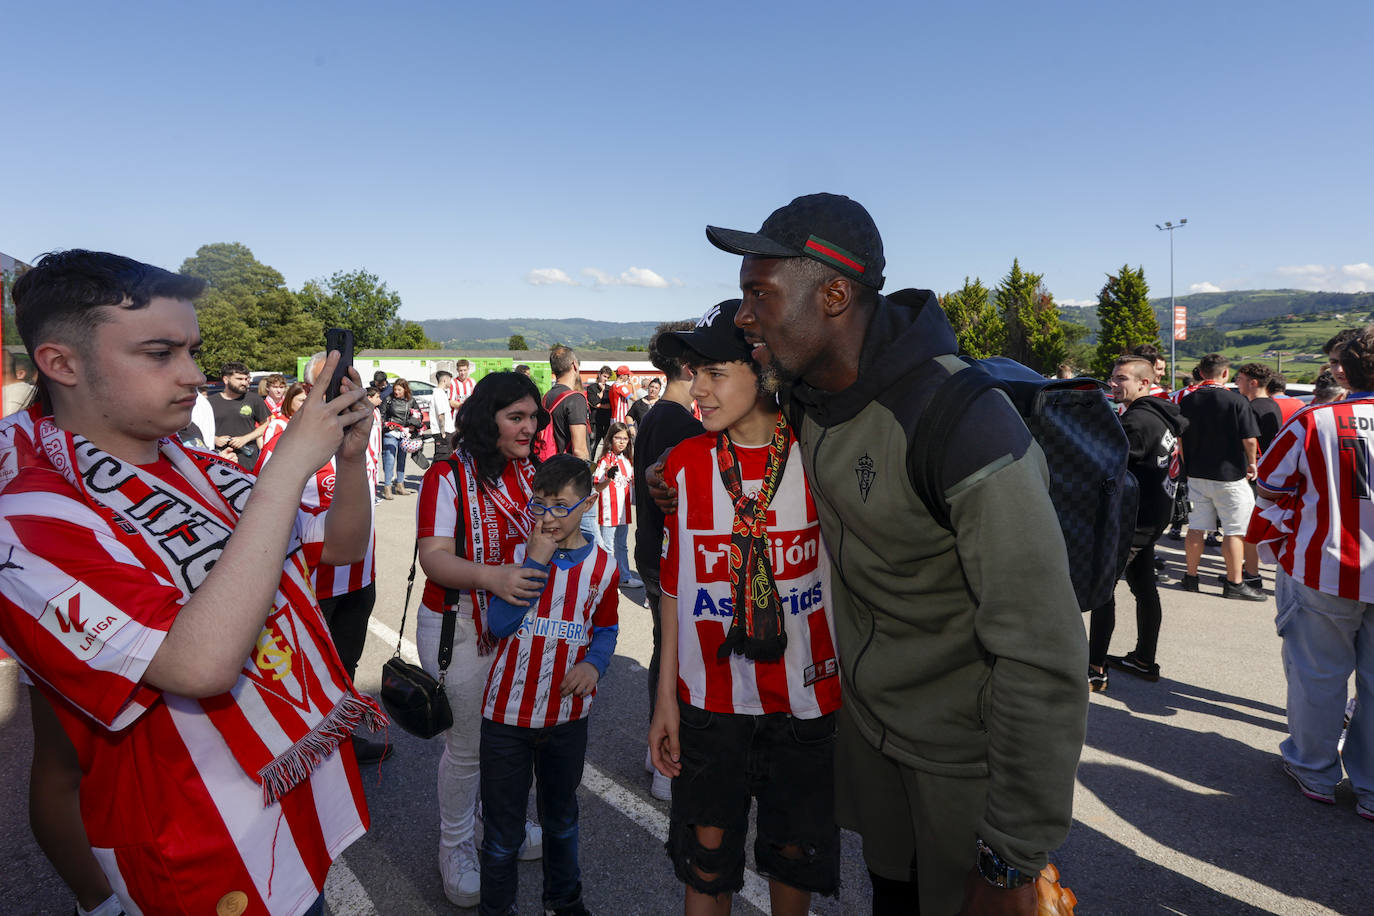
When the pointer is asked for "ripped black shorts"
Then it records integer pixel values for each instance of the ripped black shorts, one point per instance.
(788, 764)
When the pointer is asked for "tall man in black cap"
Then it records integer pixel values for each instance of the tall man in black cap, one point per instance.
(962, 651)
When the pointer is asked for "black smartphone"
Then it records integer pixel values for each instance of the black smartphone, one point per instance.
(340, 339)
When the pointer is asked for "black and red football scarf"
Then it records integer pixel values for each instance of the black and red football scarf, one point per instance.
(756, 632)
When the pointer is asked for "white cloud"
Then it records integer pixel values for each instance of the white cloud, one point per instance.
(642, 276)
(547, 276)
(1204, 287)
(634, 276)
(1348, 278)
(1076, 301)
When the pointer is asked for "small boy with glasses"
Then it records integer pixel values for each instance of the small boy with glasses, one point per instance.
(539, 693)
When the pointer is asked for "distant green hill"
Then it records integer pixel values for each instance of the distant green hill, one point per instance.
(1260, 325)
(539, 333)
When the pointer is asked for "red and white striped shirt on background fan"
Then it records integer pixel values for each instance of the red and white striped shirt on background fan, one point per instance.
(1322, 530)
(333, 581)
(805, 681)
(621, 394)
(460, 391)
(529, 667)
(442, 511)
(613, 504)
(86, 622)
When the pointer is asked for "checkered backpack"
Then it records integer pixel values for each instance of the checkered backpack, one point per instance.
(1085, 449)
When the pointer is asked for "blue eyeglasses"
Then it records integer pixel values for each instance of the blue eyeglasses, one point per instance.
(539, 509)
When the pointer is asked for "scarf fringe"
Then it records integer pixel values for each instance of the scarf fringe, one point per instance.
(294, 766)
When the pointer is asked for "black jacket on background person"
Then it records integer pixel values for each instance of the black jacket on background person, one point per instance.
(1154, 427)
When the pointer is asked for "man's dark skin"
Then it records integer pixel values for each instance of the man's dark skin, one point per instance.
(815, 332)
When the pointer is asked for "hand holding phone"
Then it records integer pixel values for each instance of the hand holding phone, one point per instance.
(340, 339)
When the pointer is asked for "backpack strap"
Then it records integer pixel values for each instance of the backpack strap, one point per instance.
(934, 429)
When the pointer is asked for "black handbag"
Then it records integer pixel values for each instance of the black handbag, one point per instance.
(414, 699)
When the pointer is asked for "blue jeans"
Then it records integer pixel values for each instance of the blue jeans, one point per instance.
(1325, 638)
(510, 757)
(393, 460)
(619, 536)
(590, 528)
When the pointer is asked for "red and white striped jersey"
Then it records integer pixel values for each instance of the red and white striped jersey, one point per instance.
(621, 396)
(333, 581)
(805, 681)
(442, 511)
(1322, 530)
(460, 391)
(613, 503)
(530, 664)
(174, 821)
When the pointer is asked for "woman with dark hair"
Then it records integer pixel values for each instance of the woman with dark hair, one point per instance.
(471, 518)
(400, 418)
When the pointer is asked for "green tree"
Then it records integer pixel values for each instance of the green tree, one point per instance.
(410, 335)
(1035, 335)
(247, 313)
(361, 302)
(517, 342)
(975, 320)
(1123, 307)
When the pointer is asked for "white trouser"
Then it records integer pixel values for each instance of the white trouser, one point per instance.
(464, 682)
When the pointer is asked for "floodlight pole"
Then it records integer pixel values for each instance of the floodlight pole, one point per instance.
(1173, 316)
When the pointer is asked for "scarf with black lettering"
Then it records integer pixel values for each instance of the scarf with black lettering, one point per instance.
(293, 703)
(756, 631)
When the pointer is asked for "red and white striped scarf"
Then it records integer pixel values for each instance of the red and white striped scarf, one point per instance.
(486, 504)
(293, 703)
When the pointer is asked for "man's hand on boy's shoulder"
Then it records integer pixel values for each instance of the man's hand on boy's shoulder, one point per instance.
(663, 495)
(580, 681)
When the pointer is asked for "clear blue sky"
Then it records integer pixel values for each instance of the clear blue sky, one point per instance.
(462, 151)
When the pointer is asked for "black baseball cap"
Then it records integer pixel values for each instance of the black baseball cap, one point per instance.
(829, 228)
(715, 337)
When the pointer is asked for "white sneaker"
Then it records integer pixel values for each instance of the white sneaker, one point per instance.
(662, 789)
(649, 760)
(462, 877)
(633, 581)
(533, 845)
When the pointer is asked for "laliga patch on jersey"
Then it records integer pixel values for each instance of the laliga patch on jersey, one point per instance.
(82, 620)
(820, 671)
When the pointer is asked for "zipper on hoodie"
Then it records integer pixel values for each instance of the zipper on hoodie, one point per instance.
(838, 568)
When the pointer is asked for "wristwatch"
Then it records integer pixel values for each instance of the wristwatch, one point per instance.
(997, 872)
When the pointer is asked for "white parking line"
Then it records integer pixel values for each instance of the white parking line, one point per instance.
(648, 817)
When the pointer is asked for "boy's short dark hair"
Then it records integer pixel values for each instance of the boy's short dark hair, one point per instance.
(62, 297)
(670, 366)
(233, 367)
(1339, 339)
(1277, 385)
(1259, 372)
(561, 359)
(462, 364)
(558, 471)
(1147, 351)
(442, 373)
(1212, 365)
(1357, 359)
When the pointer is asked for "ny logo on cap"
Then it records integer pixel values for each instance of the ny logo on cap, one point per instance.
(710, 317)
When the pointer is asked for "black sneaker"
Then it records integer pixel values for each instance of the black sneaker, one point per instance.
(1097, 680)
(1175, 534)
(1130, 662)
(1242, 591)
(1212, 539)
(1255, 581)
(1189, 583)
(370, 751)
